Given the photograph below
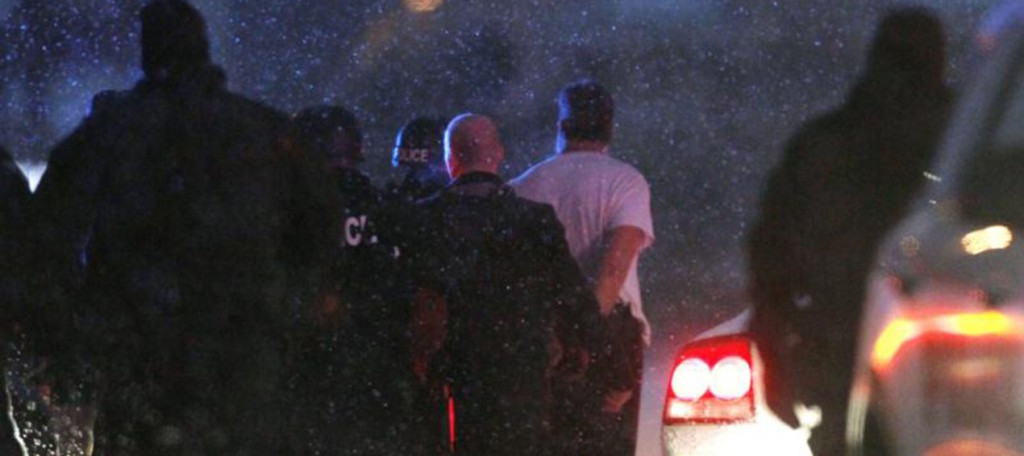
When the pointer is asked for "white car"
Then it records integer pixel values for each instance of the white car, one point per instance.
(940, 368)
(715, 405)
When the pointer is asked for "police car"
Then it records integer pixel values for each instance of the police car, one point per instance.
(715, 404)
(940, 369)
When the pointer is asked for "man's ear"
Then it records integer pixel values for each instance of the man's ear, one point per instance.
(501, 153)
(453, 166)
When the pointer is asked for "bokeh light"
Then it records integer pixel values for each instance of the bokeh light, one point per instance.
(422, 6)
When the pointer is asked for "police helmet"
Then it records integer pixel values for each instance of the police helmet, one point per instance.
(419, 142)
(329, 133)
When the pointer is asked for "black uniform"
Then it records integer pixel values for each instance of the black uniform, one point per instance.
(191, 228)
(417, 185)
(845, 180)
(357, 378)
(510, 284)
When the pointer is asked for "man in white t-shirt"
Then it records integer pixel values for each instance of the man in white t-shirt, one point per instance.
(604, 205)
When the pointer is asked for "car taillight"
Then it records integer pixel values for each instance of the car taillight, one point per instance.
(903, 331)
(712, 382)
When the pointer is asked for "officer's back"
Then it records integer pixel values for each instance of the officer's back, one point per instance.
(486, 263)
(364, 267)
(354, 377)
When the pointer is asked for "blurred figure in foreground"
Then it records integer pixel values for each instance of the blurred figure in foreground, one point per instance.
(191, 232)
(515, 299)
(356, 383)
(14, 198)
(418, 151)
(846, 178)
(605, 207)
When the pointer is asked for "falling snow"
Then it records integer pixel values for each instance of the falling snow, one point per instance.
(706, 90)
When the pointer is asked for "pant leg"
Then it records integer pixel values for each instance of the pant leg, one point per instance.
(614, 434)
(618, 366)
(831, 392)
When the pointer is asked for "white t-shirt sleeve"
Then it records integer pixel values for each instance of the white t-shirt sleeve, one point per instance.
(633, 206)
(528, 185)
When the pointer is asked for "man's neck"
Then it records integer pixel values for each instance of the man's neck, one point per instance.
(584, 146)
(480, 170)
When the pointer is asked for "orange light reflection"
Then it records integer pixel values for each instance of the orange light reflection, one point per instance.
(900, 331)
(423, 6)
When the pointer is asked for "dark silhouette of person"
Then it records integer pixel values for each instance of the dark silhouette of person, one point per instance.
(515, 297)
(845, 180)
(357, 385)
(185, 231)
(14, 198)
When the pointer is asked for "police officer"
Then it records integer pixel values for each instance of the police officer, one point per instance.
(358, 366)
(418, 150)
(512, 292)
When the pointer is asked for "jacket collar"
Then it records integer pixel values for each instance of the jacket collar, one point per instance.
(477, 177)
(476, 184)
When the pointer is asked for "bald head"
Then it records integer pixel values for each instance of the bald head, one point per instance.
(471, 143)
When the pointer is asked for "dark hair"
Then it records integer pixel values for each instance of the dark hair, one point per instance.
(328, 133)
(173, 38)
(586, 111)
(910, 40)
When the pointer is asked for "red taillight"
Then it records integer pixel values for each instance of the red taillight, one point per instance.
(691, 379)
(712, 382)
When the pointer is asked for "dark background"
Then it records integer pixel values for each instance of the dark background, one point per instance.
(707, 92)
